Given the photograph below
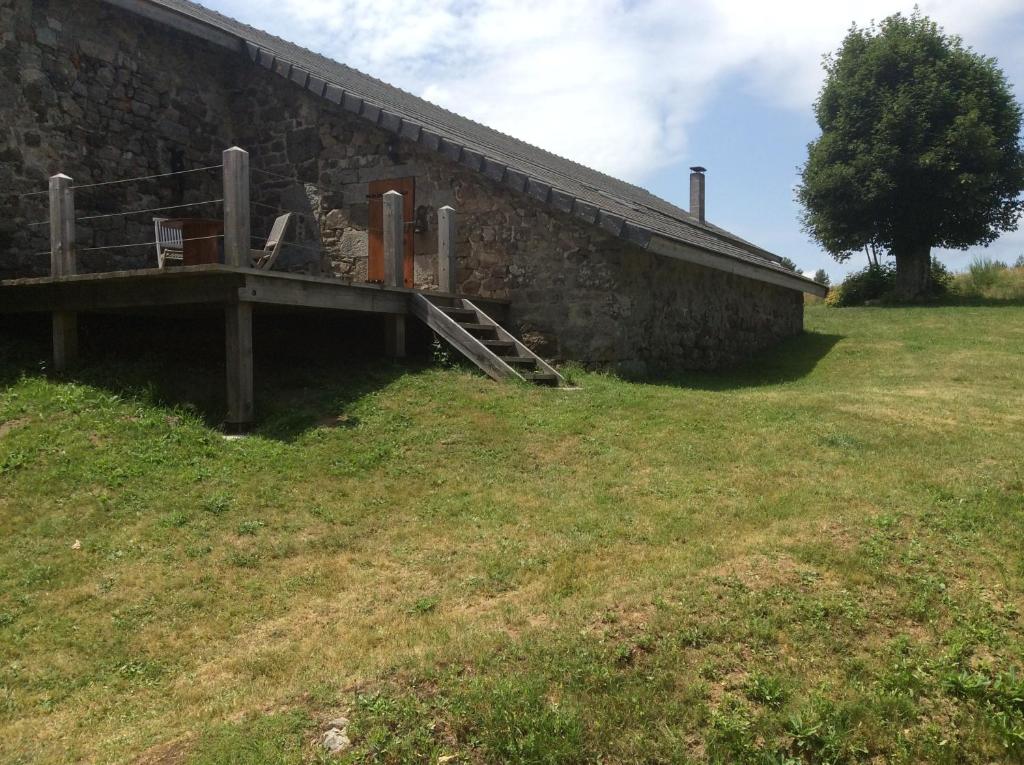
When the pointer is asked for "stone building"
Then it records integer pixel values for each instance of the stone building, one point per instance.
(592, 268)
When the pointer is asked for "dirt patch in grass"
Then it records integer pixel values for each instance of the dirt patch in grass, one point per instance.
(621, 620)
(841, 535)
(168, 753)
(7, 427)
(725, 684)
(757, 573)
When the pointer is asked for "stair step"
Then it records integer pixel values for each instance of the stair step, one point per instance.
(454, 312)
(504, 356)
(541, 378)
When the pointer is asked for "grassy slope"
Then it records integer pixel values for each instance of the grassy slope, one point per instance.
(818, 559)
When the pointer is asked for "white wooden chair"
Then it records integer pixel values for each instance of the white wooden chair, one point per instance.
(169, 244)
(264, 259)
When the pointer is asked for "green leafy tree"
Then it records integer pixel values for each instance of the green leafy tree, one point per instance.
(919, 148)
(821, 277)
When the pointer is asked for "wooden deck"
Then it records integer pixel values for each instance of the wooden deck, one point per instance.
(192, 285)
(243, 283)
(237, 291)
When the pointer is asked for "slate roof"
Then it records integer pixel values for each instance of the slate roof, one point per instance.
(619, 207)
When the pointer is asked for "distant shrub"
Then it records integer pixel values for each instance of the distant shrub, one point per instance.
(877, 282)
(988, 279)
(941, 279)
(985, 272)
(871, 283)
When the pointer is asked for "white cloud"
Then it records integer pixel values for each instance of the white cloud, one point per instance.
(614, 84)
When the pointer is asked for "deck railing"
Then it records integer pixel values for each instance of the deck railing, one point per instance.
(237, 206)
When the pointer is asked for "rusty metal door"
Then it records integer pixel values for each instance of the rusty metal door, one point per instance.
(407, 188)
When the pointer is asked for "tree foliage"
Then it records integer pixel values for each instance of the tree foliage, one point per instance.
(919, 146)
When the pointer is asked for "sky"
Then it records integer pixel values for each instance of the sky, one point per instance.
(641, 89)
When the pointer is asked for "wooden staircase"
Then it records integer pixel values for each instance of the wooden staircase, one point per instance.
(482, 340)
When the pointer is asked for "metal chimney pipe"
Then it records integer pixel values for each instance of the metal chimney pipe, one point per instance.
(697, 192)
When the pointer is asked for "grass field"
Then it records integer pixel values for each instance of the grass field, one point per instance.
(817, 559)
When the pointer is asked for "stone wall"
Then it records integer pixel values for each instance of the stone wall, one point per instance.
(103, 95)
(94, 93)
(576, 292)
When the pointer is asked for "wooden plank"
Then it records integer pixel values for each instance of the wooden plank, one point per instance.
(174, 272)
(239, 365)
(211, 283)
(447, 266)
(468, 345)
(237, 225)
(97, 292)
(318, 294)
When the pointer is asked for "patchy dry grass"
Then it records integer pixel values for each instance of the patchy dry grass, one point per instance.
(816, 559)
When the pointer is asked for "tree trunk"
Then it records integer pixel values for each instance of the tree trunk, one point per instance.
(913, 273)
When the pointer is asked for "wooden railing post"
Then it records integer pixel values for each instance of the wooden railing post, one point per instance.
(394, 255)
(237, 226)
(446, 264)
(63, 262)
(394, 267)
(62, 227)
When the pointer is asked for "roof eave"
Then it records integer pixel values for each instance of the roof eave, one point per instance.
(670, 248)
(180, 22)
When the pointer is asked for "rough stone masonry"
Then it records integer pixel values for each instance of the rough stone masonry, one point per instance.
(100, 94)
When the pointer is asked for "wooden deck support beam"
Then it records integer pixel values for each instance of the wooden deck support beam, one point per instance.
(239, 358)
(446, 263)
(237, 223)
(63, 262)
(394, 269)
(65, 340)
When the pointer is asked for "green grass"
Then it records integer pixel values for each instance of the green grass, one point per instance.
(814, 559)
